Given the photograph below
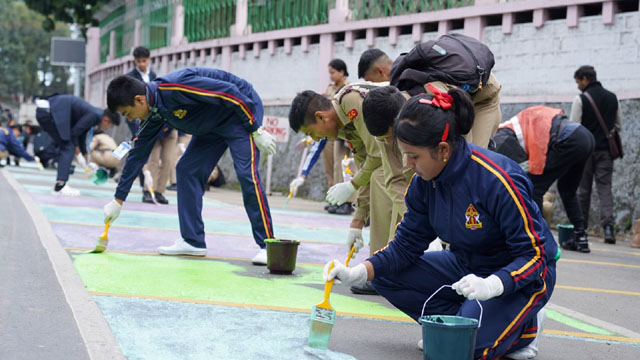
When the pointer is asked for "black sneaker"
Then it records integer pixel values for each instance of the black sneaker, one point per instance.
(146, 197)
(582, 242)
(366, 289)
(173, 187)
(609, 235)
(344, 209)
(161, 199)
(331, 209)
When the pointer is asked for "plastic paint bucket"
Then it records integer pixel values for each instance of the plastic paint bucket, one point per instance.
(446, 337)
(565, 232)
(281, 255)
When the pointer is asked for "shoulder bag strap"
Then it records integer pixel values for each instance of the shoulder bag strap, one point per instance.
(598, 115)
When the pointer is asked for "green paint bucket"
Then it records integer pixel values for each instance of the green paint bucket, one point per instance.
(100, 177)
(565, 232)
(448, 337)
(281, 255)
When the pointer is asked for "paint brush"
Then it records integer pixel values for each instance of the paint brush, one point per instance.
(103, 240)
(153, 195)
(323, 315)
(289, 197)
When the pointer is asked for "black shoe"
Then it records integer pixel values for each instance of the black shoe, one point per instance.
(326, 207)
(609, 236)
(331, 209)
(173, 187)
(366, 289)
(344, 209)
(582, 242)
(146, 197)
(161, 199)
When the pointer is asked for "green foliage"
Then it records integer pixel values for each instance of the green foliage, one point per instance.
(24, 53)
(79, 12)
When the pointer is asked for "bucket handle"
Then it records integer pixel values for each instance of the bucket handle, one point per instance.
(449, 286)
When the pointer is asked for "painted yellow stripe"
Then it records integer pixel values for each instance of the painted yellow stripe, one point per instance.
(244, 110)
(253, 306)
(600, 263)
(591, 336)
(522, 213)
(257, 189)
(579, 288)
(515, 320)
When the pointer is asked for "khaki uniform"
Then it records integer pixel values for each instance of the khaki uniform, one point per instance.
(370, 177)
(102, 146)
(486, 103)
(396, 180)
(161, 160)
(181, 140)
(334, 151)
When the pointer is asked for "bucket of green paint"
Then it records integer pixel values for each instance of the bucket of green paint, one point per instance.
(448, 337)
(281, 255)
(100, 177)
(565, 232)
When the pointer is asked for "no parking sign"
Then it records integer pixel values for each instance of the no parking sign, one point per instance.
(278, 127)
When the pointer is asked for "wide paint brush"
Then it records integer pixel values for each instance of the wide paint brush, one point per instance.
(323, 315)
(289, 197)
(103, 240)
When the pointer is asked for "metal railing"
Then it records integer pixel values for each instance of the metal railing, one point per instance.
(267, 15)
(369, 9)
(208, 19)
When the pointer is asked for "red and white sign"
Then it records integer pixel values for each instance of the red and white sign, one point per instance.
(278, 127)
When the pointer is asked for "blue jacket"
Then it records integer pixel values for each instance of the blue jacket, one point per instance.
(196, 101)
(73, 118)
(9, 142)
(481, 204)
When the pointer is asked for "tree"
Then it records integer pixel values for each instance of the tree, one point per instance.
(79, 12)
(25, 70)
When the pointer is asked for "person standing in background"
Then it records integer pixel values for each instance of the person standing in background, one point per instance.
(600, 165)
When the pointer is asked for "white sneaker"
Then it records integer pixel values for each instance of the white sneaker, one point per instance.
(531, 350)
(181, 247)
(67, 190)
(420, 345)
(260, 258)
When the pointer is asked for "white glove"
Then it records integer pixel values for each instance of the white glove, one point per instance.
(355, 276)
(354, 237)
(39, 163)
(148, 180)
(474, 287)
(111, 211)
(264, 141)
(340, 193)
(182, 147)
(296, 183)
(93, 166)
(82, 162)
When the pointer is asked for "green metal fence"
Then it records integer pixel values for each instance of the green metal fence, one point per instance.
(208, 19)
(267, 15)
(156, 27)
(369, 9)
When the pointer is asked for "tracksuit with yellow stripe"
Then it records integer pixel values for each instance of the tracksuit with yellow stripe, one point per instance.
(481, 204)
(221, 111)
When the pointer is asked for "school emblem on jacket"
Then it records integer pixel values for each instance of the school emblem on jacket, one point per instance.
(473, 218)
(180, 113)
(352, 114)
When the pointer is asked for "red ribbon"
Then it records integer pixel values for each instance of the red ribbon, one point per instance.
(440, 99)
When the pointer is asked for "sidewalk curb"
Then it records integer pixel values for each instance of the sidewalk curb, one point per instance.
(96, 333)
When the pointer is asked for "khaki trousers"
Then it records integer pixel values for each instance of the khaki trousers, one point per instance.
(486, 104)
(162, 158)
(380, 209)
(104, 158)
(181, 140)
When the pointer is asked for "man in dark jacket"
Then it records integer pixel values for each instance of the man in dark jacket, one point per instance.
(221, 111)
(142, 71)
(68, 119)
(600, 165)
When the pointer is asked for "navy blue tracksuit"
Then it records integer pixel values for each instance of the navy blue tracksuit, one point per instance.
(481, 204)
(67, 121)
(221, 111)
(9, 143)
